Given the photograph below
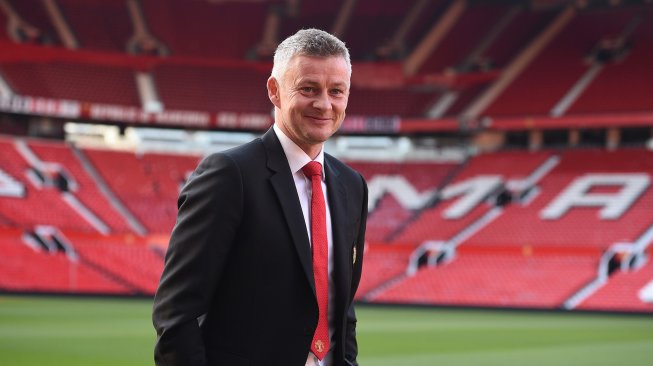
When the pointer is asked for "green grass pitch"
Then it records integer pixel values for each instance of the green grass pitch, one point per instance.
(77, 331)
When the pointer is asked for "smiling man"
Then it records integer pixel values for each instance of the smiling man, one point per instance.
(266, 256)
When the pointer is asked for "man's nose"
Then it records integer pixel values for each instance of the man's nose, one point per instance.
(322, 101)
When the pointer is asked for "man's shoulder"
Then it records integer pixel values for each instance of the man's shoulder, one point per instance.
(241, 153)
(341, 168)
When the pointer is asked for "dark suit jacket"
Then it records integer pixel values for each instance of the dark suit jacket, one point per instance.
(237, 287)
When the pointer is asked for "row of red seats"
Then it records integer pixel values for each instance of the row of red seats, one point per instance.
(38, 205)
(148, 185)
(196, 88)
(27, 269)
(501, 280)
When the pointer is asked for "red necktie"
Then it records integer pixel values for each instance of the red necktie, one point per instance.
(320, 246)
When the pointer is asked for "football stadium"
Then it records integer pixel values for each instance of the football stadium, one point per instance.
(507, 147)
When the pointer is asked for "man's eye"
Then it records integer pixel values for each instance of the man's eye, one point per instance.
(336, 91)
(308, 89)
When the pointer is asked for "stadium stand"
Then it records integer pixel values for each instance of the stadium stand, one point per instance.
(155, 178)
(511, 228)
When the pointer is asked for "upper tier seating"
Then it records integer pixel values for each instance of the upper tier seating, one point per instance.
(560, 65)
(98, 24)
(463, 37)
(213, 89)
(373, 22)
(74, 81)
(205, 28)
(523, 28)
(35, 14)
(621, 85)
(394, 102)
(4, 35)
(311, 14)
(424, 22)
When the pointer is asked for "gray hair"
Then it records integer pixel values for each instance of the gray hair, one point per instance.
(308, 42)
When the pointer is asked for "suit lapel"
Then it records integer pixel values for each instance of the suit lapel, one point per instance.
(341, 255)
(284, 187)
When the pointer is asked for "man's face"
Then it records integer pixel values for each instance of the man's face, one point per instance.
(311, 99)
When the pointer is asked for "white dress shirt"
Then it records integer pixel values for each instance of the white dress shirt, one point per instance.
(297, 158)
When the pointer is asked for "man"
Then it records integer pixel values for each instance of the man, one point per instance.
(266, 255)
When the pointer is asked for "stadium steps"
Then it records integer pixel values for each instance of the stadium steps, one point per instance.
(113, 199)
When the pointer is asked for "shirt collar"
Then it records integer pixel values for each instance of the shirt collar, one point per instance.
(297, 158)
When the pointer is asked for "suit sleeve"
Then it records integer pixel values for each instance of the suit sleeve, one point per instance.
(210, 209)
(351, 346)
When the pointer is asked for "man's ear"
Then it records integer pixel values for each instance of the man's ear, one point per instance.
(273, 91)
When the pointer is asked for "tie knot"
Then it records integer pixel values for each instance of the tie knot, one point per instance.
(311, 169)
